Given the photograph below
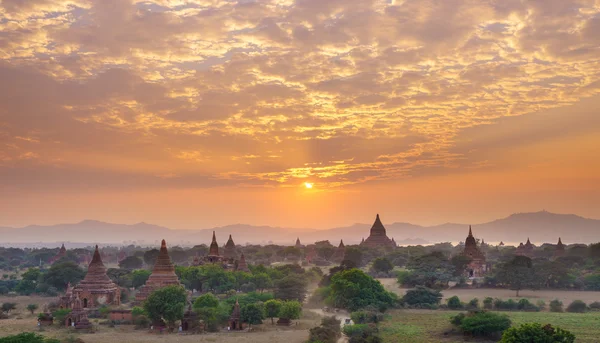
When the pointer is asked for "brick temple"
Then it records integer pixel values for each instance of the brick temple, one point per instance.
(378, 237)
(163, 275)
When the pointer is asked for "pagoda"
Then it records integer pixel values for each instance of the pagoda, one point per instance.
(235, 321)
(213, 252)
(298, 245)
(61, 253)
(230, 250)
(378, 237)
(78, 317)
(525, 249)
(477, 266)
(162, 275)
(340, 252)
(560, 249)
(311, 253)
(97, 288)
(242, 265)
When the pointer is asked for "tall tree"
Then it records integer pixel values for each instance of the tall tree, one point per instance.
(291, 287)
(166, 304)
(60, 274)
(272, 308)
(517, 273)
(131, 262)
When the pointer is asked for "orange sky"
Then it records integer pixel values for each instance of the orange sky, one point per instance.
(197, 113)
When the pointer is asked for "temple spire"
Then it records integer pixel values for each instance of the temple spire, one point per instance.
(470, 231)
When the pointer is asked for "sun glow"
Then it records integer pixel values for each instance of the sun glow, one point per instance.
(308, 185)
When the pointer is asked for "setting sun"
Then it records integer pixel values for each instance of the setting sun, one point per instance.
(308, 185)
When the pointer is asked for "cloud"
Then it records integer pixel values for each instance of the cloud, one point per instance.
(162, 88)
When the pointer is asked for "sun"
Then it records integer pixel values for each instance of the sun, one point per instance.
(308, 185)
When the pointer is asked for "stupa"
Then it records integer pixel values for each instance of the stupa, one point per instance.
(235, 321)
(338, 255)
(525, 249)
(477, 266)
(378, 237)
(78, 317)
(560, 249)
(242, 265)
(97, 288)
(213, 252)
(230, 250)
(162, 275)
(61, 253)
(298, 244)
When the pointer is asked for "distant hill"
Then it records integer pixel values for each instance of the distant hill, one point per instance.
(540, 227)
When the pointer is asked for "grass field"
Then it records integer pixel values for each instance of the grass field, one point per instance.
(425, 326)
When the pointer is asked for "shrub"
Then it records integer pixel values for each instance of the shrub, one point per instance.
(141, 321)
(483, 323)
(592, 282)
(488, 303)
(362, 333)
(556, 306)
(526, 305)
(508, 305)
(541, 304)
(454, 303)
(28, 337)
(328, 332)
(535, 332)
(457, 320)
(473, 304)
(595, 306)
(138, 311)
(7, 307)
(366, 317)
(60, 314)
(422, 295)
(577, 306)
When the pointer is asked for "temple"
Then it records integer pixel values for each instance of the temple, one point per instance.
(61, 253)
(97, 288)
(230, 251)
(78, 317)
(477, 266)
(378, 237)
(525, 249)
(235, 321)
(298, 244)
(242, 265)
(560, 249)
(162, 275)
(340, 252)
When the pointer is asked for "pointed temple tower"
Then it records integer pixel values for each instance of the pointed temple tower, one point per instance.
(477, 266)
(242, 265)
(235, 321)
(61, 253)
(97, 288)
(338, 255)
(162, 275)
(230, 250)
(213, 252)
(298, 244)
(560, 249)
(525, 250)
(378, 237)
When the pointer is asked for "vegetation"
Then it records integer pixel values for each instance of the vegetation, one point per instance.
(481, 323)
(422, 296)
(166, 304)
(32, 307)
(253, 313)
(535, 332)
(28, 337)
(362, 333)
(353, 290)
(272, 308)
(328, 332)
(577, 306)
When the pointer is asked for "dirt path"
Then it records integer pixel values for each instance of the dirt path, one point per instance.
(342, 315)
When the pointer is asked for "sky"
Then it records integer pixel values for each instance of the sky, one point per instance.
(199, 113)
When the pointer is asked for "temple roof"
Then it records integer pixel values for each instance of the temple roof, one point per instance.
(163, 264)
(230, 243)
(377, 229)
(528, 244)
(298, 244)
(341, 244)
(236, 314)
(560, 244)
(214, 247)
(470, 241)
(96, 278)
(242, 265)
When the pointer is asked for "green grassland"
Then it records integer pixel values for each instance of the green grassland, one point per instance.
(425, 326)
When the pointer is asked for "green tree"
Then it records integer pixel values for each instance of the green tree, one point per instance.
(272, 308)
(166, 304)
(131, 262)
(382, 265)
(60, 274)
(535, 332)
(459, 264)
(253, 313)
(8, 306)
(206, 300)
(139, 277)
(121, 277)
(353, 290)
(354, 255)
(291, 287)
(28, 337)
(290, 310)
(517, 273)
(422, 295)
(32, 307)
(430, 270)
(29, 281)
(262, 281)
(150, 256)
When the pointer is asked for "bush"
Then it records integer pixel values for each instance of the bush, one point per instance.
(454, 303)
(138, 311)
(141, 321)
(556, 306)
(488, 303)
(7, 307)
(526, 305)
(535, 332)
(595, 306)
(541, 304)
(483, 323)
(508, 305)
(28, 337)
(328, 332)
(473, 304)
(366, 317)
(362, 333)
(60, 315)
(592, 282)
(422, 295)
(577, 306)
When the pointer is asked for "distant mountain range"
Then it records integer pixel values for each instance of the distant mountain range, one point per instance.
(540, 227)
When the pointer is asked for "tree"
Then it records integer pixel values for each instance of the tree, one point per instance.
(7, 307)
(535, 332)
(139, 277)
(32, 307)
(430, 270)
(459, 263)
(290, 310)
(262, 281)
(131, 262)
(28, 337)
(206, 300)
(272, 308)
(121, 277)
(482, 323)
(60, 274)
(166, 304)
(291, 287)
(150, 256)
(382, 265)
(253, 313)
(422, 295)
(353, 290)
(517, 273)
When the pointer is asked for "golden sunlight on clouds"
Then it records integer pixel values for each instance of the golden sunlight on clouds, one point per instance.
(210, 94)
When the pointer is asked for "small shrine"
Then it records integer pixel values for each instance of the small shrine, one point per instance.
(78, 317)
(235, 321)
